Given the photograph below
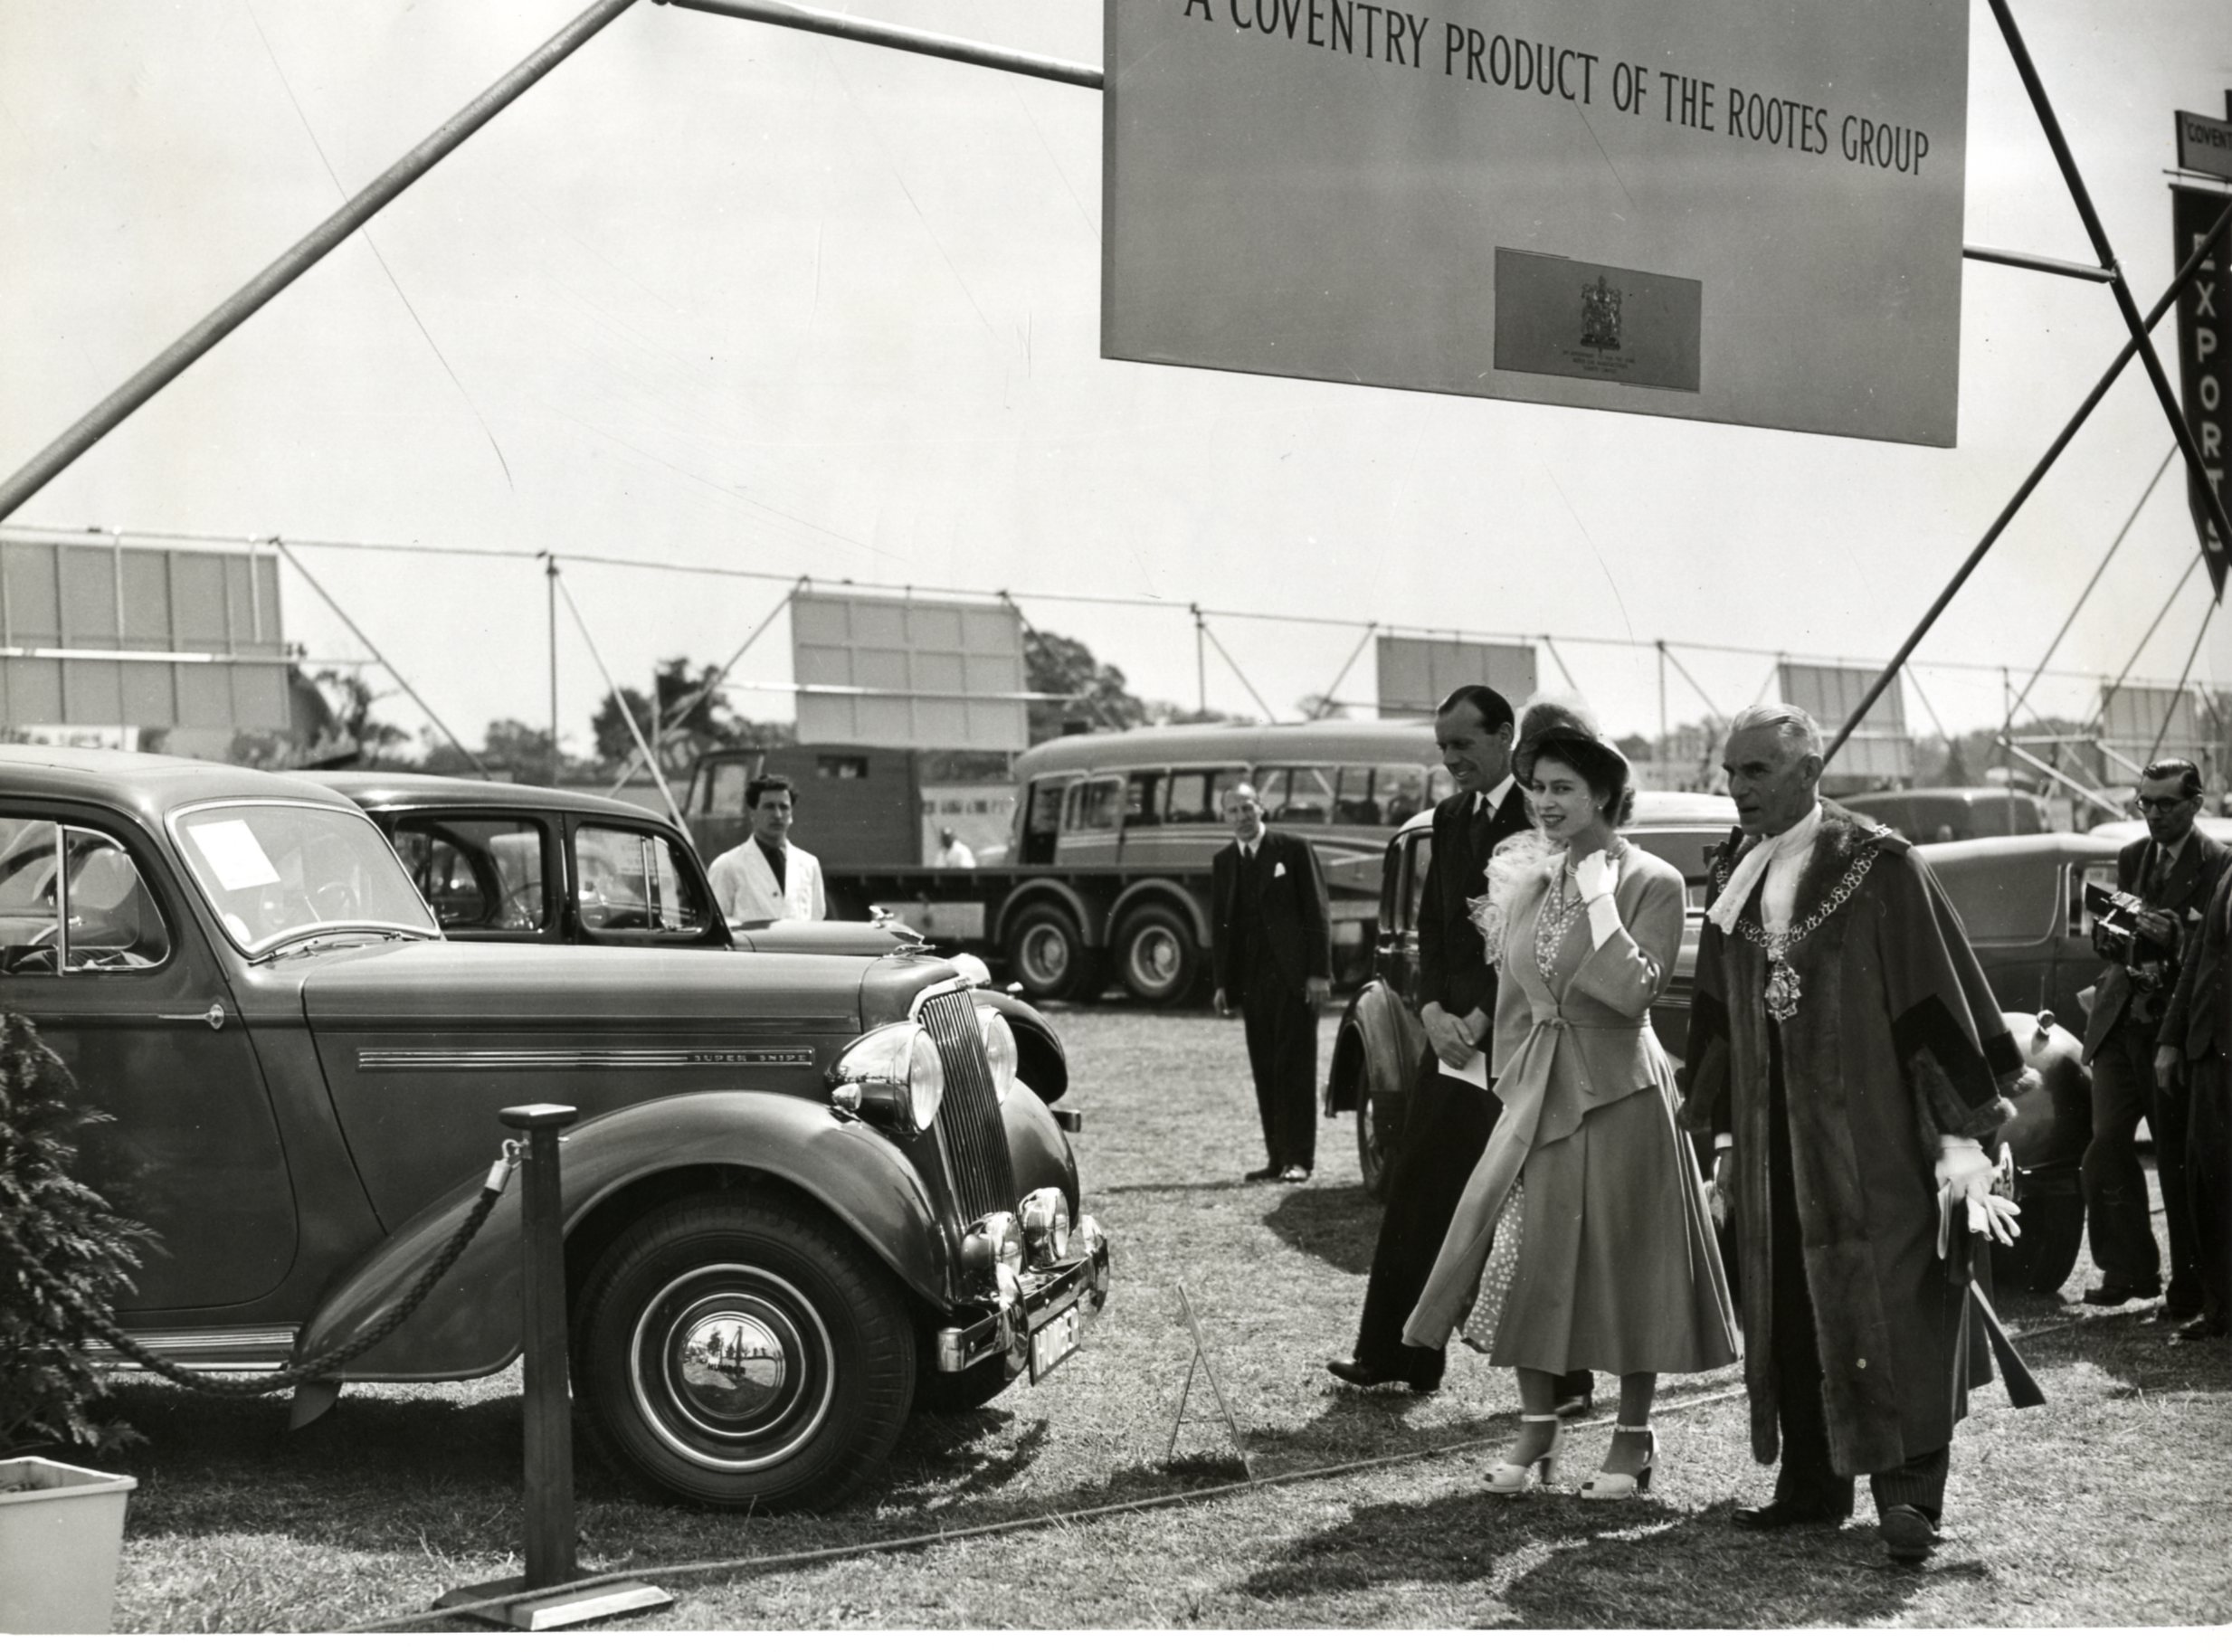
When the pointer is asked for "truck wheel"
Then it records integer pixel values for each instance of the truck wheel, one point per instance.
(1379, 1133)
(1046, 952)
(742, 1352)
(961, 1391)
(1155, 956)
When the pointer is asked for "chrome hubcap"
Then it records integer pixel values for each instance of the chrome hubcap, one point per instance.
(1154, 958)
(732, 1367)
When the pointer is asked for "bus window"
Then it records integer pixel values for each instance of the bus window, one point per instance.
(1401, 788)
(1143, 800)
(1297, 796)
(1095, 805)
(1355, 804)
(1195, 797)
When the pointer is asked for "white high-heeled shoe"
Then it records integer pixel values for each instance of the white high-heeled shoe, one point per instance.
(1509, 1479)
(1605, 1486)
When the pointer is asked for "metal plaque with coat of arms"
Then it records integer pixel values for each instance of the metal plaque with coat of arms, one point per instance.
(1630, 327)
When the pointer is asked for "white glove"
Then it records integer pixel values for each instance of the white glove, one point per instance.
(1965, 1176)
(1595, 876)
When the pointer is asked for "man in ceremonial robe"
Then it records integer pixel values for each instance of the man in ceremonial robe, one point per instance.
(1848, 1057)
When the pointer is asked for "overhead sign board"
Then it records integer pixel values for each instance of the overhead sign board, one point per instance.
(911, 673)
(1749, 210)
(1879, 750)
(2136, 721)
(96, 633)
(2205, 145)
(1417, 673)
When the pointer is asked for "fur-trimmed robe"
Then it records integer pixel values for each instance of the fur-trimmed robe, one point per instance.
(1895, 1041)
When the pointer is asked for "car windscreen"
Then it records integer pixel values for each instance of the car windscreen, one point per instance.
(273, 872)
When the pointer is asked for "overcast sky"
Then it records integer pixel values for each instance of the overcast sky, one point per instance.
(723, 294)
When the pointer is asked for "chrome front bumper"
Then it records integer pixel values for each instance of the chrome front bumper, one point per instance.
(1028, 1302)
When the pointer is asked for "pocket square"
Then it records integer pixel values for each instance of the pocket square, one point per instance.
(2193, 915)
(1279, 870)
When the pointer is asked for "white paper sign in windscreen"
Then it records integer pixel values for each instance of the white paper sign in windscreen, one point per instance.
(1739, 209)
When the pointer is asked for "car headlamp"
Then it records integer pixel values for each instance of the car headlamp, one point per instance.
(999, 1048)
(892, 1078)
(1046, 1227)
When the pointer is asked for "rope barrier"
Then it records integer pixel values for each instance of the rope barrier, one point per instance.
(924, 1540)
(85, 1316)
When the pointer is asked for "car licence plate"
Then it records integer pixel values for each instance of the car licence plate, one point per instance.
(1052, 1343)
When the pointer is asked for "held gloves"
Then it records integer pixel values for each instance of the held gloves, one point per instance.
(1965, 1176)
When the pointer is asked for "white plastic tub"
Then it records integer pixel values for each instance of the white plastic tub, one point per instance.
(62, 1530)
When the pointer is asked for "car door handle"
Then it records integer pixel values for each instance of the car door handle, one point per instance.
(213, 1017)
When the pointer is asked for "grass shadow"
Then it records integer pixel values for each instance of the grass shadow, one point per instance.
(1549, 1561)
(1337, 1225)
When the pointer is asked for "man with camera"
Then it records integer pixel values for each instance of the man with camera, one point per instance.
(2163, 884)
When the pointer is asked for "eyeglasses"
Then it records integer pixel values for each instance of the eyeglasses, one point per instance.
(2163, 806)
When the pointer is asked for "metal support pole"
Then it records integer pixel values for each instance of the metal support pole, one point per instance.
(2170, 716)
(2117, 284)
(674, 810)
(1269, 715)
(2045, 266)
(921, 40)
(547, 1408)
(1664, 729)
(1200, 658)
(688, 703)
(1675, 661)
(66, 449)
(2194, 261)
(1325, 702)
(295, 562)
(2160, 471)
(2154, 625)
(550, 601)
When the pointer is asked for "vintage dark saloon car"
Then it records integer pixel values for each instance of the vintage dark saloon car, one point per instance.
(544, 865)
(805, 1192)
(1380, 1041)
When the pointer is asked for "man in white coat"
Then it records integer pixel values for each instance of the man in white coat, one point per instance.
(767, 876)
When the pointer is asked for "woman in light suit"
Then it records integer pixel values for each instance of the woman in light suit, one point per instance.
(1603, 1256)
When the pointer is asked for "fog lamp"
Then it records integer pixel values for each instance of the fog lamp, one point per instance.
(1046, 1227)
(997, 1241)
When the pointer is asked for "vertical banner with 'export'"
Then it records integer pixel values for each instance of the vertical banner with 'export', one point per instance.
(2205, 355)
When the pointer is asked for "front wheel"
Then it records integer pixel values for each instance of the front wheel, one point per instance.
(740, 1351)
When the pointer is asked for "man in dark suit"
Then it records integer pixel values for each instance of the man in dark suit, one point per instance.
(2194, 1060)
(1273, 949)
(2172, 871)
(1452, 1108)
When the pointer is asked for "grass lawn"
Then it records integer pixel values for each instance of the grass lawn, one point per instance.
(2106, 1507)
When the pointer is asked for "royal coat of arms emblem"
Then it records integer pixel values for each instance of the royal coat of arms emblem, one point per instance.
(1599, 315)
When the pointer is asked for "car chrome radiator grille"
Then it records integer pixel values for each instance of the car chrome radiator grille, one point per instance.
(968, 1123)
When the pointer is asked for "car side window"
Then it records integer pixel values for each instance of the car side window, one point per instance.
(1096, 805)
(478, 875)
(72, 902)
(633, 883)
(1143, 800)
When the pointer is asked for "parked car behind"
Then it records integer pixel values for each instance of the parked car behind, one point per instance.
(1953, 815)
(544, 865)
(1381, 1042)
(828, 1163)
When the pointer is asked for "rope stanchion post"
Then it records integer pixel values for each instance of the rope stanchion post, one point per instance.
(548, 1412)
